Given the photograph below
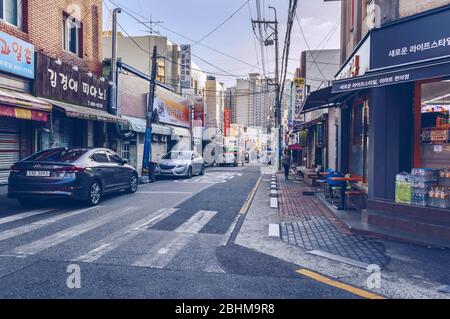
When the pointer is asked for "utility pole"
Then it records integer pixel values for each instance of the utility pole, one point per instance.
(148, 130)
(274, 26)
(113, 71)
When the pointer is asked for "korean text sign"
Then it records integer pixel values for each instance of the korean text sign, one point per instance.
(61, 82)
(396, 45)
(16, 56)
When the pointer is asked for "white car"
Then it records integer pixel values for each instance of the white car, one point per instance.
(229, 159)
(181, 163)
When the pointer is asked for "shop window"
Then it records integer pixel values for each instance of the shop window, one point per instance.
(126, 151)
(359, 140)
(72, 30)
(11, 12)
(435, 124)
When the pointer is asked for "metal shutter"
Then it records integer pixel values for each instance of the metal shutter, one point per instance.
(9, 146)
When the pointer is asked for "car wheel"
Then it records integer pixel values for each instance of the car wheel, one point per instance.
(134, 182)
(28, 202)
(202, 171)
(95, 193)
(189, 173)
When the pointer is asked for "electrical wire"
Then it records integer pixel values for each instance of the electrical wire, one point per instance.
(221, 24)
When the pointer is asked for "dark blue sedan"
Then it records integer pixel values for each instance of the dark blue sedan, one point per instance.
(79, 173)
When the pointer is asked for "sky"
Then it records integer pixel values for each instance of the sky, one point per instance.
(185, 22)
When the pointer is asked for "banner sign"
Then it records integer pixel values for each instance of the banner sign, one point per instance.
(226, 122)
(410, 74)
(172, 108)
(199, 110)
(396, 44)
(60, 81)
(299, 97)
(185, 57)
(16, 56)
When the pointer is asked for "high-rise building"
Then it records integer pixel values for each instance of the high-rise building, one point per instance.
(215, 96)
(230, 102)
(254, 101)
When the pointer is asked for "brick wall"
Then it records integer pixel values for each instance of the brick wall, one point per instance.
(42, 26)
(408, 7)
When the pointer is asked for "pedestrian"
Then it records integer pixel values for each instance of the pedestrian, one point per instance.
(286, 163)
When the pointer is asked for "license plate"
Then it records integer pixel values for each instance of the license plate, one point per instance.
(38, 173)
(166, 171)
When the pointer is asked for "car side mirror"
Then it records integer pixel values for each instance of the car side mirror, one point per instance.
(124, 161)
(192, 157)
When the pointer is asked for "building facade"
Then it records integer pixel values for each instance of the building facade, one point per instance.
(394, 114)
(59, 66)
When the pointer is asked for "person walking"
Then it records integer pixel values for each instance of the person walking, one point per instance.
(286, 161)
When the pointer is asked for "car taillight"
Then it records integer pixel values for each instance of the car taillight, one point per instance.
(70, 169)
(15, 169)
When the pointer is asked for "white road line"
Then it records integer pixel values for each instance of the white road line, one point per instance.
(13, 218)
(162, 213)
(13, 232)
(68, 233)
(165, 250)
(197, 222)
(116, 239)
(156, 192)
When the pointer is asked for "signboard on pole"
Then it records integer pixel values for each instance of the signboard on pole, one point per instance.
(299, 97)
(185, 57)
(199, 110)
(226, 122)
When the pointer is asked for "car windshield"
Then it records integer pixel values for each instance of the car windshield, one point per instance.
(58, 155)
(178, 155)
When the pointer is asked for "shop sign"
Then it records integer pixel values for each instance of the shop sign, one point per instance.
(199, 110)
(390, 78)
(396, 44)
(226, 121)
(359, 62)
(172, 109)
(16, 56)
(439, 136)
(299, 97)
(185, 55)
(60, 81)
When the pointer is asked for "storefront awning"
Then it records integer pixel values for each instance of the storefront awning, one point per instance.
(23, 106)
(23, 100)
(405, 74)
(139, 125)
(178, 132)
(320, 99)
(77, 111)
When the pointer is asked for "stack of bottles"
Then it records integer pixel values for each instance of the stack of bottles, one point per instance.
(423, 180)
(444, 177)
(438, 197)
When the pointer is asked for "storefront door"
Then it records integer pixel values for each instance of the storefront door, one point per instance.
(359, 139)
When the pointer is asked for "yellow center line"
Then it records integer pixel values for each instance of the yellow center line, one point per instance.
(357, 291)
(249, 199)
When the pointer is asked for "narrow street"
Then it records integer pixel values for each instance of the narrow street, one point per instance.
(169, 240)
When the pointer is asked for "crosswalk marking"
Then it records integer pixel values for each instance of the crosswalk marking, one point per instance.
(116, 239)
(166, 249)
(16, 217)
(13, 232)
(66, 234)
(196, 222)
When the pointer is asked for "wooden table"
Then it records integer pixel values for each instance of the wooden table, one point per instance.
(343, 188)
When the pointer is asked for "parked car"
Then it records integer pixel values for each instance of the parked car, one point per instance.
(229, 160)
(77, 173)
(181, 163)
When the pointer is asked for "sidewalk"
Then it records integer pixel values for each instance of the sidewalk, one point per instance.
(308, 223)
(407, 271)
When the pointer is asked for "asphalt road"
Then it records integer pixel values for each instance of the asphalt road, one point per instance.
(169, 240)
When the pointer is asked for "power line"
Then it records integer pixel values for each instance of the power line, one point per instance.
(221, 24)
(130, 13)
